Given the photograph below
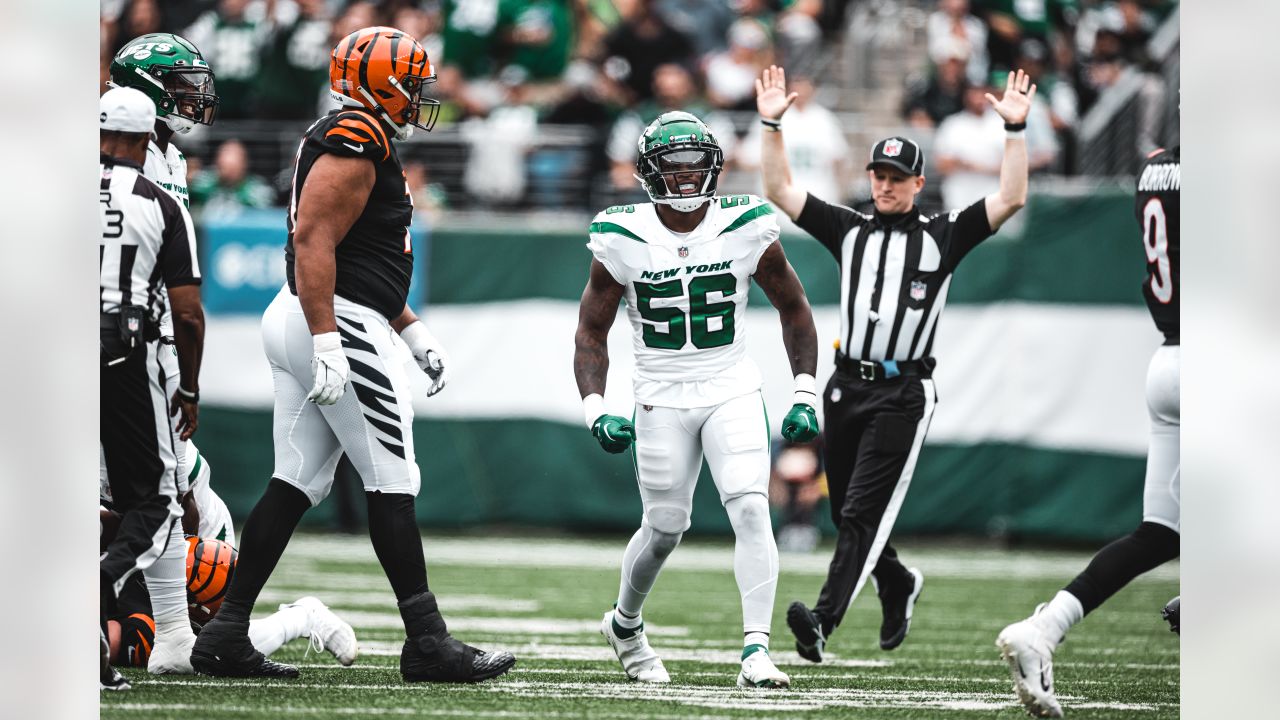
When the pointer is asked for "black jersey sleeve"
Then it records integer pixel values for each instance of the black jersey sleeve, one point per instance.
(961, 231)
(827, 223)
(353, 133)
(178, 257)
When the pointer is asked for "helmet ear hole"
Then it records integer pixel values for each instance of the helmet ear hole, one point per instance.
(383, 94)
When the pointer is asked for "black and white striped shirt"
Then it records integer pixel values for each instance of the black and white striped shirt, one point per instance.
(147, 241)
(894, 273)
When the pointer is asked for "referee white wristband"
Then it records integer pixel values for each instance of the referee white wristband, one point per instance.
(592, 408)
(806, 390)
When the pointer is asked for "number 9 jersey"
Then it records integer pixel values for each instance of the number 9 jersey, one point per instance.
(1158, 211)
(686, 296)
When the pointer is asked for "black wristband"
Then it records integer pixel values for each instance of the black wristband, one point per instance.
(188, 395)
(1014, 127)
(774, 125)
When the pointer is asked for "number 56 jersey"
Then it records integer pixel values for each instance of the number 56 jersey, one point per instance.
(686, 296)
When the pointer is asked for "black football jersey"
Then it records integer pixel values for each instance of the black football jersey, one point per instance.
(375, 258)
(1157, 207)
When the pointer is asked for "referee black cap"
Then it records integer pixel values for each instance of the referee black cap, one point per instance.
(900, 153)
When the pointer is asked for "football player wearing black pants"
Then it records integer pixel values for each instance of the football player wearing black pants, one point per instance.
(1028, 645)
(331, 338)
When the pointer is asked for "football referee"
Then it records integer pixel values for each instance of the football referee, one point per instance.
(895, 269)
(147, 241)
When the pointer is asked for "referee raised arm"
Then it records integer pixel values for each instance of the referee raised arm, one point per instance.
(147, 242)
(895, 269)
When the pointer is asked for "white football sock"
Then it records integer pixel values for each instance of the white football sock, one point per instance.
(755, 560)
(641, 563)
(1062, 612)
(756, 638)
(167, 585)
(269, 634)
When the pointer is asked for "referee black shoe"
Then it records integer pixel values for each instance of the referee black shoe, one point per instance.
(806, 625)
(1171, 613)
(223, 649)
(109, 678)
(897, 603)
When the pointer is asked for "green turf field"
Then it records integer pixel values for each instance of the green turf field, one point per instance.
(543, 598)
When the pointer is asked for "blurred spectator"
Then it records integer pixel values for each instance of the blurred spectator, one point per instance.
(673, 89)
(538, 36)
(704, 22)
(1055, 100)
(1012, 21)
(231, 38)
(797, 485)
(969, 146)
(295, 66)
(942, 94)
(731, 75)
(952, 25)
(495, 172)
(469, 29)
(798, 37)
(429, 198)
(228, 186)
(641, 43)
(816, 148)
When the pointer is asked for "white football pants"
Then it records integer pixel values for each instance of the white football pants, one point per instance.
(670, 445)
(1160, 495)
(372, 422)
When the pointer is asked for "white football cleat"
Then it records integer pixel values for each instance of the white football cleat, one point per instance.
(172, 654)
(759, 671)
(1029, 651)
(639, 661)
(328, 632)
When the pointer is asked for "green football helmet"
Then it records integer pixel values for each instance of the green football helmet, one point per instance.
(678, 146)
(170, 71)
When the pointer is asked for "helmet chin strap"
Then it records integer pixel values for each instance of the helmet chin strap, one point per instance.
(403, 132)
(684, 205)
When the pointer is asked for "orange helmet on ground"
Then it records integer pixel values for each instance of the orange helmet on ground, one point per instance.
(385, 70)
(210, 566)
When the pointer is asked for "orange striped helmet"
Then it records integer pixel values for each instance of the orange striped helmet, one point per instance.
(385, 71)
(210, 566)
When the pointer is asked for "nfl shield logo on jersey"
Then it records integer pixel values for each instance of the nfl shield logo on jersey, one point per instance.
(918, 290)
(892, 147)
(683, 252)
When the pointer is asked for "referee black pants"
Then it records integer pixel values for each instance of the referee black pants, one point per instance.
(874, 431)
(137, 448)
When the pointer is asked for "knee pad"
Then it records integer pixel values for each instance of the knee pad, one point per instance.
(1160, 540)
(137, 637)
(667, 520)
(749, 512)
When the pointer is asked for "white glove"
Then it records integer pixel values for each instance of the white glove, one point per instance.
(428, 353)
(329, 367)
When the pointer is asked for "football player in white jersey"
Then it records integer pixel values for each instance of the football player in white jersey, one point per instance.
(684, 264)
(171, 72)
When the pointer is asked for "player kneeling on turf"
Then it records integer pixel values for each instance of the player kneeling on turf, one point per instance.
(684, 263)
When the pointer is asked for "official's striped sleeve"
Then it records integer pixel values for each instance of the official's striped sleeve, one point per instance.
(179, 260)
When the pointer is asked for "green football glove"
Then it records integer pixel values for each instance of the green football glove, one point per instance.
(615, 434)
(801, 423)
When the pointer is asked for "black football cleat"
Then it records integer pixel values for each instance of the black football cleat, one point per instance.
(897, 603)
(223, 649)
(1172, 614)
(807, 627)
(431, 654)
(108, 677)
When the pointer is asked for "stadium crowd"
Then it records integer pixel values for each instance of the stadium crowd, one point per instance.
(516, 75)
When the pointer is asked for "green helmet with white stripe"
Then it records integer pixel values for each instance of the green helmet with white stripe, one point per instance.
(679, 162)
(170, 70)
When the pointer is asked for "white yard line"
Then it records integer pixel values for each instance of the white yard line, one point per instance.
(975, 563)
(322, 586)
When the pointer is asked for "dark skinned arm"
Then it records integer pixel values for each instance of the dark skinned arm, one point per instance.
(778, 280)
(188, 338)
(333, 197)
(406, 318)
(596, 312)
(190, 514)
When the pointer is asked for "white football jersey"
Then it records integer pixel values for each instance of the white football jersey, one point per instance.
(687, 296)
(168, 169)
